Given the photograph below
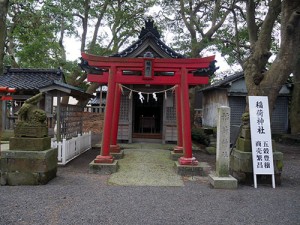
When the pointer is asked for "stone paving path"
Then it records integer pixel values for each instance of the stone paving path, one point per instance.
(146, 166)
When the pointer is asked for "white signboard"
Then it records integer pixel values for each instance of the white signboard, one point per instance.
(262, 154)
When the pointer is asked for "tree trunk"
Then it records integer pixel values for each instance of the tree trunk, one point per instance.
(3, 13)
(269, 83)
(295, 104)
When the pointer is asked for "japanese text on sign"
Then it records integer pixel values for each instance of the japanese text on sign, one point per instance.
(262, 154)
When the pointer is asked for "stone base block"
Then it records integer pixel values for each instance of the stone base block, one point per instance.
(243, 144)
(97, 146)
(222, 182)
(202, 169)
(175, 156)
(103, 168)
(178, 149)
(242, 169)
(30, 144)
(114, 149)
(119, 155)
(211, 150)
(28, 167)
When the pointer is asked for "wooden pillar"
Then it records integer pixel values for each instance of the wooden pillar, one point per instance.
(187, 158)
(114, 147)
(100, 99)
(179, 147)
(105, 156)
(58, 122)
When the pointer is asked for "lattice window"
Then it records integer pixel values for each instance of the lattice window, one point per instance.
(170, 107)
(124, 108)
(71, 120)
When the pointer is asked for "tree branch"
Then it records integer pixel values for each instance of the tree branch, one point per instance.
(252, 27)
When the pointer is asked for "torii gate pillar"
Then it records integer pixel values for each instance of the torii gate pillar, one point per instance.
(179, 148)
(114, 147)
(186, 72)
(105, 156)
(187, 158)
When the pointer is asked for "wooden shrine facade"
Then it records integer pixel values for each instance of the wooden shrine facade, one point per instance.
(120, 73)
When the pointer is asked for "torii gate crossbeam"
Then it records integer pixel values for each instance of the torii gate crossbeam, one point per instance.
(182, 73)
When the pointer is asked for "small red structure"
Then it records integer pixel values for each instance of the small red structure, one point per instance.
(183, 72)
(6, 90)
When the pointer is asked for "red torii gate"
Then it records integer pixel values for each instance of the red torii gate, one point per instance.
(4, 97)
(6, 90)
(112, 74)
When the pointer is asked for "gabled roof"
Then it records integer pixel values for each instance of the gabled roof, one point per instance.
(30, 79)
(149, 41)
(56, 87)
(230, 80)
(96, 101)
(225, 81)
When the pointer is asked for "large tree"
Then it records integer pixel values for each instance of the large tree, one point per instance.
(260, 78)
(121, 17)
(295, 104)
(194, 23)
(37, 31)
(3, 14)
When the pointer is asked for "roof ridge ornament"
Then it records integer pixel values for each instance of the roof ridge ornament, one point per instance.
(149, 27)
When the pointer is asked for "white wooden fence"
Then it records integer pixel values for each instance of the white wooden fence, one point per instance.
(70, 149)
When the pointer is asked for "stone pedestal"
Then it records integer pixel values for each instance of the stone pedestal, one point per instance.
(103, 168)
(201, 169)
(241, 159)
(217, 182)
(29, 144)
(28, 167)
(242, 168)
(221, 178)
(118, 155)
(175, 156)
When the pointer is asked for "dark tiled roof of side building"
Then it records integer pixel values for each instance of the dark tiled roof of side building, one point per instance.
(224, 81)
(30, 79)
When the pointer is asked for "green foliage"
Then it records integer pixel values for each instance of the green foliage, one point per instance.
(199, 136)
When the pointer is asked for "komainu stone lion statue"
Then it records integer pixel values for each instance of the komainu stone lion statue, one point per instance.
(31, 120)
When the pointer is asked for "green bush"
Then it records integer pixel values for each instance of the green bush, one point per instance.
(199, 136)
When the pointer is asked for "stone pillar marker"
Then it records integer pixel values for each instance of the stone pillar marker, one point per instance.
(223, 142)
(221, 178)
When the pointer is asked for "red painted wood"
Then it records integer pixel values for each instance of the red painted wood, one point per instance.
(116, 114)
(7, 89)
(183, 77)
(178, 117)
(108, 117)
(186, 125)
(6, 98)
(157, 80)
(125, 61)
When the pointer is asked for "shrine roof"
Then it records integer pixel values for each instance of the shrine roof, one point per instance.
(149, 41)
(236, 84)
(30, 79)
(225, 81)
(65, 89)
(96, 101)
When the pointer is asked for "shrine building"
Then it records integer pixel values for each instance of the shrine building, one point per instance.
(147, 95)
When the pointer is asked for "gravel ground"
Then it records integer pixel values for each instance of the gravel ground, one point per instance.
(77, 197)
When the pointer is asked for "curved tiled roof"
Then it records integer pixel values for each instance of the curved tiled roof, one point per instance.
(30, 79)
(149, 36)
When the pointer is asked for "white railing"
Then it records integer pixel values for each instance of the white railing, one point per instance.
(70, 149)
